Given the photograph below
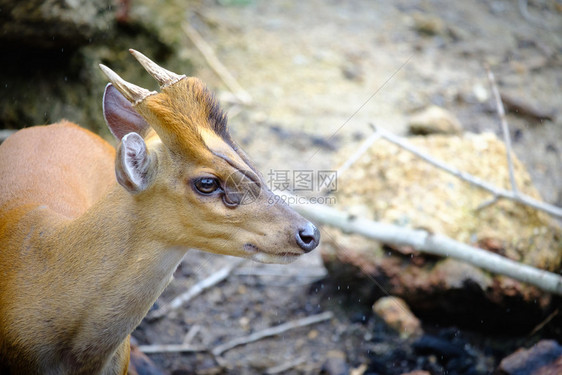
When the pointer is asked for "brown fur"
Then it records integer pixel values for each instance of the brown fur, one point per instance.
(180, 124)
(82, 259)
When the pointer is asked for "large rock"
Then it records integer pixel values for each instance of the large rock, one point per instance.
(396, 313)
(51, 24)
(434, 120)
(544, 358)
(391, 185)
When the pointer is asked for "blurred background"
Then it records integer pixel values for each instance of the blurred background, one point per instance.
(303, 81)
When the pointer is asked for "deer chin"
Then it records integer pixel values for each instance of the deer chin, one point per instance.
(261, 256)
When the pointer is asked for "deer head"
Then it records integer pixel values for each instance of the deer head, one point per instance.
(196, 187)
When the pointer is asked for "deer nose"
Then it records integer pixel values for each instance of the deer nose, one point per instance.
(308, 237)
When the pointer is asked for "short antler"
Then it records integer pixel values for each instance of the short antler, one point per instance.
(163, 76)
(133, 93)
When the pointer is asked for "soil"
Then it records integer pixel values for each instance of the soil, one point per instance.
(319, 72)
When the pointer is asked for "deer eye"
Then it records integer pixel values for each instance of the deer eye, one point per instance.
(206, 185)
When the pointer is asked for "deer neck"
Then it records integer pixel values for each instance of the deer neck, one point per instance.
(113, 273)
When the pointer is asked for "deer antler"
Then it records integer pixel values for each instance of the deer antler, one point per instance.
(163, 76)
(133, 93)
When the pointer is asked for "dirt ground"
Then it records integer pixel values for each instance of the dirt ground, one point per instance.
(318, 73)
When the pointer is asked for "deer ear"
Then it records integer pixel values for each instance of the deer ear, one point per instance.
(120, 116)
(133, 163)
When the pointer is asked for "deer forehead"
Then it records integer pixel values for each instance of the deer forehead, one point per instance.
(208, 147)
(187, 115)
(186, 103)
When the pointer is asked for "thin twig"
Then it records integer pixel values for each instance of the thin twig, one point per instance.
(171, 348)
(193, 331)
(195, 290)
(209, 55)
(318, 273)
(542, 324)
(487, 203)
(523, 10)
(272, 331)
(218, 350)
(505, 129)
(496, 191)
(432, 244)
(286, 366)
(357, 154)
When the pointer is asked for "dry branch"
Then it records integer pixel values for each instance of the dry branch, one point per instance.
(193, 331)
(547, 320)
(209, 55)
(218, 350)
(496, 191)
(505, 129)
(272, 331)
(435, 244)
(357, 154)
(195, 290)
(286, 366)
(171, 348)
(313, 274)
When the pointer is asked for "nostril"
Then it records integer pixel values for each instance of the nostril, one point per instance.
(308, 237)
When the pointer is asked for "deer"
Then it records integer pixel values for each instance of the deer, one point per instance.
(90, 235)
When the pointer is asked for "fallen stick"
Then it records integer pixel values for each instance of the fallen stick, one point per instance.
(218, 350)
(195, 290)
(435, 244)
(505, 129)
(357, 154)
(272, 331)
(542, 324)
(275, 272)
(207, 52)
(285, 366)
(171, 348)
(193, 331)
(496, 191)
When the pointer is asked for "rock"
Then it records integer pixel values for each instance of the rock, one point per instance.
(480, 93)
(544, 358)
(353, 71)
(396, 313)
(429, 24)
(434, 120)
(396, 187)
(52, 24)
(335, 364)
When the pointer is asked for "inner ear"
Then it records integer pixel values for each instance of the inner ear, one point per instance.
(120, 116)
(133, 163)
